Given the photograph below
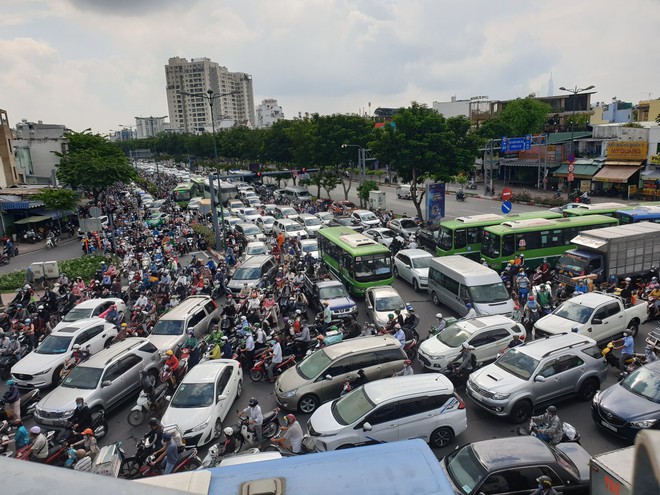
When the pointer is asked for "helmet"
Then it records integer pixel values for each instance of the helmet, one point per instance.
(465, 345)
(551, 410)
(35, 429)
(397, 325)
(298, 312)
(334, 328)
(10, 383)
(87, 431)
(531, 298)
(390, 316)
(468, 305)
(409, 307)
(253, 402)
(169, 352)
(167, 436)
(124, 325)
(439, 316)
(76, 347)
(544, 481)
(28, 321)
(628, 279)
(289, 419)
(228, 431)
(40, 307)
(243, 318)
(19, 306)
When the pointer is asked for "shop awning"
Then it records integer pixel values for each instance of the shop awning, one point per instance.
(582, 171)
(56, 214)
(33, 219)
(623, 164)
(651, 174)
(615, 173)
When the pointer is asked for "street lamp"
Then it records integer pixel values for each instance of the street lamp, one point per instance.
(211, 96)
(574, 92)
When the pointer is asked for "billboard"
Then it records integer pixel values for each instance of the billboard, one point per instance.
(627, 150)
(435, 203)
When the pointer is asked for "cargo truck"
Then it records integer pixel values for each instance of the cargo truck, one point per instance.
(612, 472)
(624, 251)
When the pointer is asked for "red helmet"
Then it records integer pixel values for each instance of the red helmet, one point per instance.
(289, 419)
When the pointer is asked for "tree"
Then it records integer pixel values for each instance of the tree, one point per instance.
(422, 143)
(346, 177)
(524, 116)
(363, 191)
(93, 164)
(330, 180)
(58, 200)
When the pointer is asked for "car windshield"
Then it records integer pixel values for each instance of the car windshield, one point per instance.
(168, 327)
(408, 224)
(288, 211)
(572, 263)
(311, 222)
(645, 383)
(247, 273)
(465, 470)
(293, 227)
(256, 250)
(313, 365)
(190, 395)
(389, 303)
(332, 292)
(491, 293)
(424, 262)
(374, 267)
(454, 335)
(517, 363)
(367, 217)
(54, 344)
(268, 220)
(310, 247)
(444, 238)
(83, 377)
(352, 407)
(251, 230)
(250, 212)
(574, 312)
(387, 234)
(77, 314)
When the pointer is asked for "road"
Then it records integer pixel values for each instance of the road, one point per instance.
(481, 425)
(67, 250)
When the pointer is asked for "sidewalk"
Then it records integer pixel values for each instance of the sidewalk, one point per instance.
(25, 248)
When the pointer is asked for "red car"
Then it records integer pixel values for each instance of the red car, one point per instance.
(343, 207)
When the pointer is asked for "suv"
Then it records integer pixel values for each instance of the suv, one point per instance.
(103, 381)
(539, 372)
(311, 223)
(321, 376)
(255, 271)
(41, 368)
(248, 232)
(90, 309)
(290, 228)
(398, 408)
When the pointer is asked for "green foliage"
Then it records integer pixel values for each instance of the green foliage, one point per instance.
(524, 116)
(58, 199)
(329, 181)
(208, 234)
(363, 191)
(521, 197)
(635, 125)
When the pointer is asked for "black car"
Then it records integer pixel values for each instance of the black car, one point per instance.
(512, 465)
(346, 222)
(631, 405)
(427, 239)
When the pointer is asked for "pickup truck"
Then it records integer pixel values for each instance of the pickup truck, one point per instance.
(332, 290)
(597, 315)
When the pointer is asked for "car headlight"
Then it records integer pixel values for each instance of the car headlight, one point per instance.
(646, 423)
(596, 398)
(289, 394)
(501, 396)
(43, 372)
(200, 427)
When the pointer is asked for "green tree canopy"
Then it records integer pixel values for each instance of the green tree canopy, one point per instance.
(58, 199)
(525, 116)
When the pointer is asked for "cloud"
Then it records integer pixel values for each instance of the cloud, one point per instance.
(131, 8)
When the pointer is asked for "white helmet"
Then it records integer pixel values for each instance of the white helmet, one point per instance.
(439, 316)
(228, 431)
(76, 347)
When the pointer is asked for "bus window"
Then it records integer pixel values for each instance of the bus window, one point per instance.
(474, 235)
(444, 238)
(508, 245)
(372, 267)
(459, 238)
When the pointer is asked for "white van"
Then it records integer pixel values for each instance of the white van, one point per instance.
(296, 194)
(456, 281)
(404, 191)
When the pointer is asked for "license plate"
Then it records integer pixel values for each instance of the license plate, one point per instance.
(475, 395)
(608, 426)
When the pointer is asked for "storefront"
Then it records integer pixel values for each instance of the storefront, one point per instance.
(651, 179)
(620, 176)
(583, 172)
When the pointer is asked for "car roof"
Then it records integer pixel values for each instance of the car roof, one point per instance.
(208, 371)
(114, 352)
(416, 253)
(383, 290)
(78, 325)
(92, 303)
(592, 299)
(545, 346)
(486, 321)
(380, 391)
(359, 344)
(507, 452)
(269, 217)
(256, 243)
(362, 212)
(308, 241)
(382, 229)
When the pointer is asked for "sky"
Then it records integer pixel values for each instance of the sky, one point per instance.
(99, 63)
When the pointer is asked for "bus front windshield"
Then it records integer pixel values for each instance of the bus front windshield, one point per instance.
(445, 238)
(372, 267)
(491, 245)
(182, 195)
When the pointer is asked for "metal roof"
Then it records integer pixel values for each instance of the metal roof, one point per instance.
(508, 452)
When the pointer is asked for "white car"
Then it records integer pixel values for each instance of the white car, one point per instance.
(488, 334)
(310, 246)
(381, 235)
(41, 367)
(234, 205)
(203, 399)
(248, 214)
(381, 301)
(366, 218)
(231, 222)
(290, 228)
(311, 223)
(253, 202)
(325, 216)
(255, 248)
(269, 209)
(285, 212)
(90, 309)
(404, 226)
(265, 223)
(412, 265)
(391, 409)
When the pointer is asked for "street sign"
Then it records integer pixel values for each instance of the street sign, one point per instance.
(516, 144)
(571, 158)
(570, 177)
(506, 194)
(571, 168)
(506, 207)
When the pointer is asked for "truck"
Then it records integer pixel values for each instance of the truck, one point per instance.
(612, 472)
(597, 315)
(327, 288)
(623, 251)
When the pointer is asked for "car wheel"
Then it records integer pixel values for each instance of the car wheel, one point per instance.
(441, 437)
(239, 389)
(588, 389)
(521, 412)
(434, 298)
(108, 342)
(415, 285)
(395, 272)
(57, 379)
(633, 328)
(217, 429)
(308, 404)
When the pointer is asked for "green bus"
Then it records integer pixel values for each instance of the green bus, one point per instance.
(464, 234)
(359, 262)
(185, 191)
(608, 209)
(536, 238)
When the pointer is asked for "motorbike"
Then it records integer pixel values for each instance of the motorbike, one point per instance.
(214, 456)
(457, 378)
(144, 405)
(52, 242)
(188, 461)
(30, 236)
(307, 447)
(471, 185)
(258, 371)
(460, 195)
(130, 466)
(630, 365)
(4, 259)
(571, 434)
(29, 402)
(245, 435)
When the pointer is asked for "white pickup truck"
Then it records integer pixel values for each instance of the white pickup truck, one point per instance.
(595, 314)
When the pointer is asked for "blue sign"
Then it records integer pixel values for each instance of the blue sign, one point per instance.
(506, 207)
(516, 144)
(435, 203)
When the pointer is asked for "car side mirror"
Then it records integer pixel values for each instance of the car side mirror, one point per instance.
(367, 427)
(328, 377)
(539, 378)
(168, 398)
(106, 383)
(222, 397)
(597, 321)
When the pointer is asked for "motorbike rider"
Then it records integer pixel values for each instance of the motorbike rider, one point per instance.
(531, 312)
(155, 434)
(10, 345)
(442, 324)
(88, 442)
(148, 384)
(12, 400)
(226, 349)
(549, 427)
(400, 335)
(82, 416)
(581, 287)
(544, 297)
(168, 455)
(192, 344)
(460, 194)
(627, 349)
(39, 445)
(50, 300)
(276, 357)
(229, 446)
(255, 417)
(467, 361)
(293, 435)
(172, 361)
(544, 487)
(649, 353)
(523, 284)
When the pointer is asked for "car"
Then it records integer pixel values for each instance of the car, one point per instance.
(381, 301)
(234, 204)
(285, 212)
(247, 193)
(428, 238)
(278, 194)
(324, 216)
(511, 465)
(289, 228)
(265, 223)
(269, 209)
(256, 247)
(41, 367)
(346, 222)
(366, 218)
(248, 232)
(103, 381)
(310, 246)
(342, 207)
(252, 202)
(630, 406)
(488, 334)
(158, 219)
(405, 227)
(248, 214)
(105, 222)
(536, 373)
(412, 265)
(90, 309)
(203, 399)
(231, 222)
(563, 208)
(311, 223)
(381, 235)
(388, 410)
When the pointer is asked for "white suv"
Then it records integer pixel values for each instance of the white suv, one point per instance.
(41, 368)
(391, 409)
(290, 228)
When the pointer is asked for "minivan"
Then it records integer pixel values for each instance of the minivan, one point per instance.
(296, 194)
(320, 376)
(404, 191)
(198, 313)
(254, 272)
(455, 281)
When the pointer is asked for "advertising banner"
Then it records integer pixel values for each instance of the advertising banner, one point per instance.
(627, 150)
(435, 203)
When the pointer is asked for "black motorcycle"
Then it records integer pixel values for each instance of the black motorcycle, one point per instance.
(460, 195)
(28, 404)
